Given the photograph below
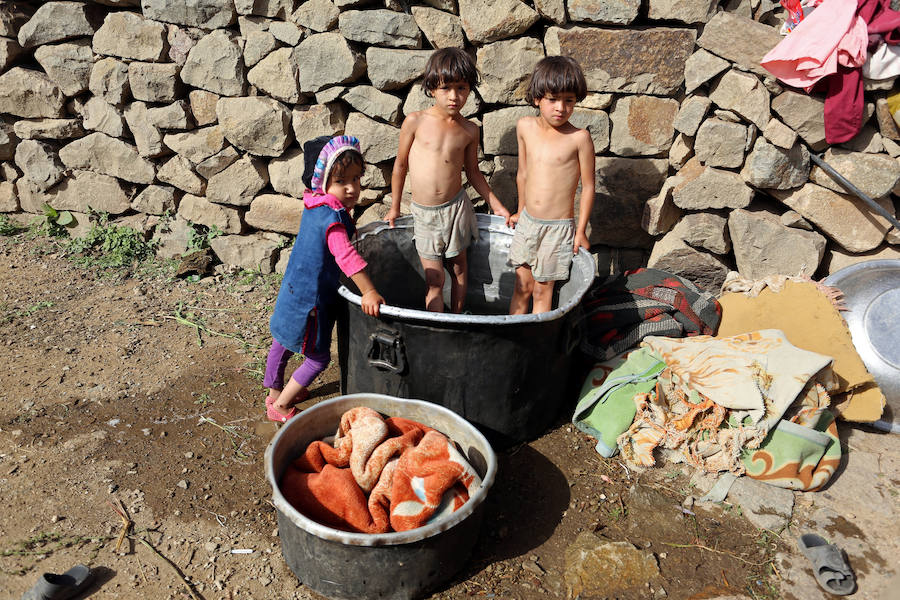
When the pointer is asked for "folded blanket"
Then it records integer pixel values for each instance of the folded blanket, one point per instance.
(387, 459)
(644, 302)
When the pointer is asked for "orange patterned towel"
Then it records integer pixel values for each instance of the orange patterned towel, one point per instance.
(387, 459)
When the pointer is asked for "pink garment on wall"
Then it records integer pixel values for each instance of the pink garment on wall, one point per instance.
(830, 35)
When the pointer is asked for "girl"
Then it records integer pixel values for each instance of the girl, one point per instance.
(306, 306)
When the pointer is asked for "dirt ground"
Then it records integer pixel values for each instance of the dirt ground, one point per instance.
(147, 390)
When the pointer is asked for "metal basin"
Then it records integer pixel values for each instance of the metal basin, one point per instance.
(872, 294)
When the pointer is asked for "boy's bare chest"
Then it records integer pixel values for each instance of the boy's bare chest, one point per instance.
(441, 140)
(549, 151)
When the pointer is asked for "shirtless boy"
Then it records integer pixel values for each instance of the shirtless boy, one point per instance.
(553, 156)
(436, 145)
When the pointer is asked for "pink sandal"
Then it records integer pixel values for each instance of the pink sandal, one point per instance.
(272, 413)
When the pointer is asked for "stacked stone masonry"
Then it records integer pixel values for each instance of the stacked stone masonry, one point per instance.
(168, 114)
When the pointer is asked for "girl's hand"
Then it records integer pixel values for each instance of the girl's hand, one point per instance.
(581, 241)
(371, 303)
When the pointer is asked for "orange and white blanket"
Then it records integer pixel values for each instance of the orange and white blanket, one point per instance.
(380, 475)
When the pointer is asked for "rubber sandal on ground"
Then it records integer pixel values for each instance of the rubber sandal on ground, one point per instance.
(273, 415)
(829, 564)
(60, 587)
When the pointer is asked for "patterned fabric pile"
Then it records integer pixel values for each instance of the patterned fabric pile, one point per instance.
(380, 475)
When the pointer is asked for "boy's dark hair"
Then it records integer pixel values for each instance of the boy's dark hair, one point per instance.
(343, 162)
(446, 65)
(556, 75)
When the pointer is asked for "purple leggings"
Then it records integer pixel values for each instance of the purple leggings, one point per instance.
(305, 373)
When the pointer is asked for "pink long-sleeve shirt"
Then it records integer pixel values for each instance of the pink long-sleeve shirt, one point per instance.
(345, 255)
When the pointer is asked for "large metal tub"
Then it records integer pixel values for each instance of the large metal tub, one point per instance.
(397, 565)
(507, 374)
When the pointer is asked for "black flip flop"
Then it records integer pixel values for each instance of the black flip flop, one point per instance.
(829, 564)
(60, 587)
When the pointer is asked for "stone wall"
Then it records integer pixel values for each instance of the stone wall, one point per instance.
(197, 110)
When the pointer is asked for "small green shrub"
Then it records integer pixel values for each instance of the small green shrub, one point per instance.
(201, 235)
(53, 223)
(108, 245)
(9, 227)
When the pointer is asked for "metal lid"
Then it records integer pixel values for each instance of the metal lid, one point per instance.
(872, 295)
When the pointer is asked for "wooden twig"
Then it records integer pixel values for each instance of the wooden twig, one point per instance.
(731, 554)
(173, 566)
(126, 523)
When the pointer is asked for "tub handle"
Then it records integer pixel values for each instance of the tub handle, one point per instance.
(386, 351)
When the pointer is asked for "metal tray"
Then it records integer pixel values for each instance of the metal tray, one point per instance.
(872, 294)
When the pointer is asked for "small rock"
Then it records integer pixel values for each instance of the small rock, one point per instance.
(183, 484)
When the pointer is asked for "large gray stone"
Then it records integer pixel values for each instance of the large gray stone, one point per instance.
(206, 14)
(156, 200)
(8, 142)
(552, 10)
(380, 28)
(67, 65)
(705, 230)
(39, 162)
(48, 129)
(10, 50)
(171, 116)
(707, 187)
(254, 252)
(681, 151)
(634, 61)
(391, 69)
(238, 184)
(9, 198)
(172, 238)
(500, 129)
(30, 94)
(721, 144)
(109, 80)
(597, 567)
(128, 35)
(780, 134)
(276, 75)
(203, 212)
(153, 82)
(286, 175)
(326, 59)
(203, 106)
(597, 124)
(673, 255)
(280, 9)
(181, 41)
(505, 69)
(286, 33)
(441, 29)
(685, 11)
(318, 15)
(660, 213)
(374, 103)
(764, 505)
(257, 125)
(178, 172)
(147, 136)
(744, 94)
(258, 45)
(874, 174)
(217, 162)
(805, 115)
(13, 15)
(692, 112)
(623, 186)
(107, 155)
(274, 212)
(215, 64)
(700, 67)
(57, 21)
(604, 12)
(197, 145)
(642, 125)
(739, 39)
(488, 21)
(100, 116)
(867, 140)
(318, 119)
(379, 142)
(763, 246)
(85, 190)
(771, 167)
(845, 219)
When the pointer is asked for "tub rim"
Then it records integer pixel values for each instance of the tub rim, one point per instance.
(380, 539)
(490, 223)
